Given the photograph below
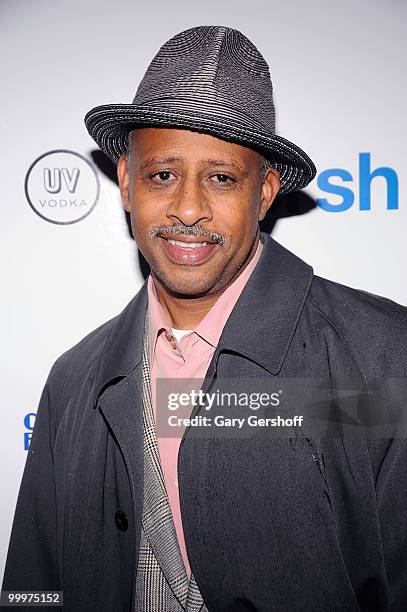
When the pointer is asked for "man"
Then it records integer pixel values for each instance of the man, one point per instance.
(120, 517)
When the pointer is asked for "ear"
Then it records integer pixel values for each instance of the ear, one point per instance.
(123, 176)
(269, 191)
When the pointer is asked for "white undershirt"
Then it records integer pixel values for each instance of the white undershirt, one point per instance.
(178, 333)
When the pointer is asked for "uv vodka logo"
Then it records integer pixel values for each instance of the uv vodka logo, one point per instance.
(62, 187)
(366, 178)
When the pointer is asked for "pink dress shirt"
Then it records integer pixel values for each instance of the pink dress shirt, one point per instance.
(188, 357)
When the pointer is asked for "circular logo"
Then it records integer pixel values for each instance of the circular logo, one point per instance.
(62, 187)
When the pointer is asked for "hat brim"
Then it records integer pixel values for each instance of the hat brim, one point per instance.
(110, 124)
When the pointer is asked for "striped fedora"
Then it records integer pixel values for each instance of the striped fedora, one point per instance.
(211, 79)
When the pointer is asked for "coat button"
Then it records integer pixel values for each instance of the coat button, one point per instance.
(121, 520)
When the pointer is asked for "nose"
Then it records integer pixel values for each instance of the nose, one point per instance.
(189, 203)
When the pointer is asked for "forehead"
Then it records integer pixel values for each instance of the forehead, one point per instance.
(188, 145)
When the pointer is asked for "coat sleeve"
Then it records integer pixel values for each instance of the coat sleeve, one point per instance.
(32, 556)
(389, 466)
(391, 490)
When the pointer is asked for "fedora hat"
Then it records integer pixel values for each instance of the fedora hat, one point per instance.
(210, 79)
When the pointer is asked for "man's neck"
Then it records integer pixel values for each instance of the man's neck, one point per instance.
(187, 313)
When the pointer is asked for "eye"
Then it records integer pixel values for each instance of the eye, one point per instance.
(163, 175)
(223, 178)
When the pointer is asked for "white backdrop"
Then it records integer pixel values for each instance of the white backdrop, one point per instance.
(338, 71)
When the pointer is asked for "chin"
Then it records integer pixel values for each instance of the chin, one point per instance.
(188, 289)
(187, 285)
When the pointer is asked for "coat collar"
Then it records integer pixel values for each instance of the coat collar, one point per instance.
(123, 349)
(260, 326)
(266, 315)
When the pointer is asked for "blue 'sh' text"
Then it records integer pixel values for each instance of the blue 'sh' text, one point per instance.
(366, 176)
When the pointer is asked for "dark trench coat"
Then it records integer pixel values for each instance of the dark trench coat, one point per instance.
(284, 524)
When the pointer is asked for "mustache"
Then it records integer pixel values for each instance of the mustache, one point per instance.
(183, 230)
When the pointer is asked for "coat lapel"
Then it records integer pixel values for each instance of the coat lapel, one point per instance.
(264, 319)
(118, 395)
(118, 387)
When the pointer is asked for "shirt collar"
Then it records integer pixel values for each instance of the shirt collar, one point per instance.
(158, 319)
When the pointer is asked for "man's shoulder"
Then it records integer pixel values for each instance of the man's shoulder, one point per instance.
(370, 323)
(343, 301)
(82, 360)
(84, 354)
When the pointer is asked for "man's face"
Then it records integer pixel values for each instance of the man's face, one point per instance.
(195, 202)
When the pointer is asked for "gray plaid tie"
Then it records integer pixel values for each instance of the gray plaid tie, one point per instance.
(162, 583)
